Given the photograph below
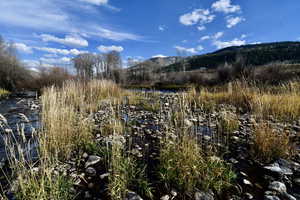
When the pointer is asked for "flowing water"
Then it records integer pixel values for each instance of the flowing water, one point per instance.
(21, 112)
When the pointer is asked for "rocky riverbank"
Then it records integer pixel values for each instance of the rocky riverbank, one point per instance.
(146, 127)
(130, 135)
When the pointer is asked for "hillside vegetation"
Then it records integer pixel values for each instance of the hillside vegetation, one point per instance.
(256, 54)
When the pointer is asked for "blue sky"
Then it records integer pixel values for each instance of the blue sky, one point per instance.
(51, 32)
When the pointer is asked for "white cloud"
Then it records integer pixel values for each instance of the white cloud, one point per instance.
(106, 49)
(206, 37)
(69, 40)
(74, 52)
(23, 47)
(63, 60)
(96, 2)
(35, 14)
(112, 35)
(185, 50)
(232, 21)
(197, 16)
(57, 16)
(225, 6)
(200, 48)
(159, 56)
(162, 28)
(244, 36)
(218, 35)
(201, 28)
(223, 44)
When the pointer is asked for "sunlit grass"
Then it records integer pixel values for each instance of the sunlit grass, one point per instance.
(257, 100)
(3, 93)
(270, 144)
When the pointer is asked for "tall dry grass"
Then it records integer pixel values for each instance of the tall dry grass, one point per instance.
(270, 144)
(3, 93)
(65, 114)
(282, 102)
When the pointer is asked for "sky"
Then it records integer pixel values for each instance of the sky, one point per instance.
(52, 32)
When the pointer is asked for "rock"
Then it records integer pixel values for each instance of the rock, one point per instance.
(103, 176)
(174, 193)
(296, 128)
(188, 123)
(91, 171)
(92, 160)
(297, 181)
(271, 197)
(87, 195)
(133, 196)
(233, 161)
(279, 168)
(278, 187)
(207, 138)
(165, 197)
(247, 182)
(85, 155)
(287, 196)
(248, 195)
(204, 196)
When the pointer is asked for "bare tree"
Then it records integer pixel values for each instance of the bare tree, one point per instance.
(12, 74)
(84, 65)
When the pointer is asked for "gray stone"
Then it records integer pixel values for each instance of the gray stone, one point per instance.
(248, 196)
(91, 171)
(133, 196)
(278, 187)
(165, 197)
(204, 196)
(283, 170)
(297, 181)
(103, 176)
(271, 197)
(92, 160)
(287, 196)
(247, 182)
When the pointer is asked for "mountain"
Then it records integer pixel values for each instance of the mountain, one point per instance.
(156, 62)
(253, 54)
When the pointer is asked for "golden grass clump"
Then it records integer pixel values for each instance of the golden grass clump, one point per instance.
(3, 92)
(65, 114)
(282, 103)
(228, 123)
(184, 166)
(269, 144)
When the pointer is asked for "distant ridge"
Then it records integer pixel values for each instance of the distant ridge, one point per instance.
(253, 54)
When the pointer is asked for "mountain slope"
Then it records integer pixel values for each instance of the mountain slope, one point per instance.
(255, 54)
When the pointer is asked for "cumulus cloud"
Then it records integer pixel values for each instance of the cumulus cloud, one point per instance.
(206, 37)
(69, 40)
(62, 60)
(23, 47)
(201, 28)
(106, 49)
(225, 6)
(96, 2)
(185, 50)
(233, 21)
(159, 56)
(74, 52)
(197, 16)
(223, 44)
(218, 35)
